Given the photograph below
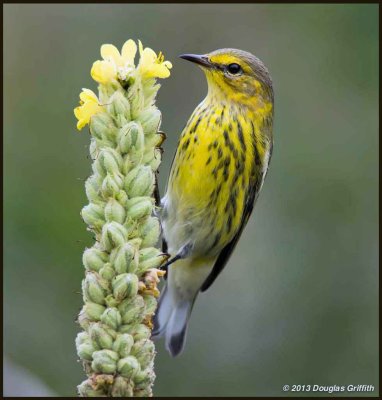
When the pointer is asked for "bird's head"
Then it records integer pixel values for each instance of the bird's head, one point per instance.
(236, 75)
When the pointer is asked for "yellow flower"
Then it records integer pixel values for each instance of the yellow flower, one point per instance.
(103, 72)
(151, 65)
(114, 63)
(88, 107)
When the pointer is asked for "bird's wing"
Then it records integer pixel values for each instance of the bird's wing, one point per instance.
(225, 254)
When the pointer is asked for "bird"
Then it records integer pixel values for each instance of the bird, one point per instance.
(218, 170)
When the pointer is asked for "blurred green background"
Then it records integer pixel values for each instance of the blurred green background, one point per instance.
(298, 302)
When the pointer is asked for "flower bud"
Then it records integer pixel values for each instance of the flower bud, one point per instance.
(105, 361)
(153, 140)
(93, 288)
(137, 135)
(92, 186)
(150, 120)
(111, 185)
(84, 346)
(144, 351)
(102, 126)
(93, 215)
(122, 387)
(125, 138)
(123, 344)
(93, 311)
(85, 351)
(144, 378)
(114, 211)
(85, 389)
(150, 257)
(100, 336)
(137, 331)
(108, 161)
(94, 259)
(149, 231)
(128, 367)
(151, 305)
(127, 164)
(132, 310)
(155, 162)
(119, 106)
(125, 285)
(107, 272)
(113, 235)
(139, 181)
(136, 98)
(112, 318)
(122, 258)
(139, 207)
(122, 198)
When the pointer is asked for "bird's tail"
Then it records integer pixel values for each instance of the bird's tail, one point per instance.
(176, 302)
(171, 321)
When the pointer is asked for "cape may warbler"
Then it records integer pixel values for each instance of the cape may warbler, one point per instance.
(217, 173)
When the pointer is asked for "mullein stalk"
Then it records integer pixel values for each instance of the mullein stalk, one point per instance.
(122, 267)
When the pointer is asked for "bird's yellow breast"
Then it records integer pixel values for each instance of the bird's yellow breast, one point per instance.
(220, 156)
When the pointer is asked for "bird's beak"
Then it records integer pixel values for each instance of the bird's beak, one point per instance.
(197, 59)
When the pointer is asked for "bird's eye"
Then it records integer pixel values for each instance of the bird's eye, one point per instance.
(234, 69)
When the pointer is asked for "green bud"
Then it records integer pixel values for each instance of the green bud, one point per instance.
(137, 136)
(122, 198)
(111, 301)
(122, 387)
(93, 215)
(151, 305)
(119, 106)
(132, 310)
(113, 235)
(127, 164)
(93, 288)
(85, 351)
(149, 231)
(125, 285)
(100, 336)
(112, 318)
(114, 211)
(92, 186)
(155, 162)
(105, 361)
(125, 139)
(150, 257)
(107, 272)
(153, 140)
(84, 346)
(150, 120)
(139, 181)
(144, 351)
(93, 311)
(137, 331)
(144, 378)
(102, 127)
(94, 259)
(108, 161)
(111, 185)
(122, 258)
(136, 98)
(123, 344)
(128, 367)
(139, 207)
(85, 389)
